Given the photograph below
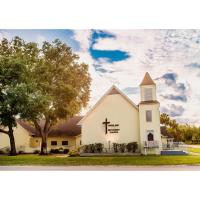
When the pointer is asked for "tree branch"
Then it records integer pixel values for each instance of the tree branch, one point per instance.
(3, 131)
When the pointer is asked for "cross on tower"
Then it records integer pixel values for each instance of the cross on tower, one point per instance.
(106, 125)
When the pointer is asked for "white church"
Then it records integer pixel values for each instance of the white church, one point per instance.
(116, 119)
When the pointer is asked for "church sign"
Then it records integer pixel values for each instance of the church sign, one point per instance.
(110, 128)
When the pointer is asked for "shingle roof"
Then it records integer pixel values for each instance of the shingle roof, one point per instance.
(147, 80)
(68, 128)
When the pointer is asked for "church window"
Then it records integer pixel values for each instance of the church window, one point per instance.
(148, 115)
(53, 143)
(148, 94)
(150, 137)
(64, 143)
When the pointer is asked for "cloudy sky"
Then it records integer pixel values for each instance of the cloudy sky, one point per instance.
(121, 57)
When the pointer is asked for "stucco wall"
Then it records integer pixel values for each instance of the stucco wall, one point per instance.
(118, 111)
(22, 138)
(24, 142)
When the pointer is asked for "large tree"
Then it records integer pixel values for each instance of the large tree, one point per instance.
(64, 83)
(16, 89)
(47, 84)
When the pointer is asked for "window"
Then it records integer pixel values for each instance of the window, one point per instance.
(148, 116)
(80, 142)
(64, 143)
(148, 94)
(53, 143)
(150, 137)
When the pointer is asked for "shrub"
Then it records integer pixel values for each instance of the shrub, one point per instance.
(73, 153)
(93, 148)
(61, 150)
(66, 151)
(7, 150)
(85, 148)
(36, 152)
(122, 147)
(21, 152)
(115, 147)
(54, 151)
(132, 147)
(98, 147)
(2, 152)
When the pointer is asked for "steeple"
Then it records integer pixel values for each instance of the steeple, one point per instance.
(147, 89)
(147, 80)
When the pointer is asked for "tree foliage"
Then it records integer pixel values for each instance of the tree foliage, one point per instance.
(40, 84)
(16, 88)
(181, 132)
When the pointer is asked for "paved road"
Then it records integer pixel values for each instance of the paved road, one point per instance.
(102, 168)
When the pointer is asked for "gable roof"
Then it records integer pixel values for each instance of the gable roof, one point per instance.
(111, 91)
(66, 128)
(147, 80)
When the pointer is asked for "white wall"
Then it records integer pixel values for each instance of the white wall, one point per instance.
(154, 125)
(142, 89)
(118, 111)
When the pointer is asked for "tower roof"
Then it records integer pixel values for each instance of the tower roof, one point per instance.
(147, 80)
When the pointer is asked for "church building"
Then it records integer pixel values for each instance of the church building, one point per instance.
(116, 119)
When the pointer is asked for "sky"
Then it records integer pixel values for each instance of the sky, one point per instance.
(121, 58)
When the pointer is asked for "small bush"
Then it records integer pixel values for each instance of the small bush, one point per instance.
(36, 152)
(73, 153)
(93, 148)
(2, 152)
(61, 150)
(98, 147)
(132, 147)
(115, 147)
(54, 151)
(21, 152)
(122, 147)
(66, 151)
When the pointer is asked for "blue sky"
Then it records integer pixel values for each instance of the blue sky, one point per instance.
(122, 57)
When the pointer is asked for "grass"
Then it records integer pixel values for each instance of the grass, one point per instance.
(76, 161)
(194, 150)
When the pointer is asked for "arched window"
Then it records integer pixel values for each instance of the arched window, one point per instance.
(150, 137)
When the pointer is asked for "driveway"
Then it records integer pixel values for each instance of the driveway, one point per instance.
(102, 168)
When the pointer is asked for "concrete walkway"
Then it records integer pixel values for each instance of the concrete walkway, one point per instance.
(102, 168)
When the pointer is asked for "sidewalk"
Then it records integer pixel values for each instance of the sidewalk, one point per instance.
(102, 168)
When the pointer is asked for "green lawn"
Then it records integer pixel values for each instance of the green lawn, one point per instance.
(72, 161)
(194, 150)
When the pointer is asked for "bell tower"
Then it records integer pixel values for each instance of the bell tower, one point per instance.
(149, 115)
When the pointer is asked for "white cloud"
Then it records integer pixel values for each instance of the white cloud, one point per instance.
(83, 37)
(159, 52)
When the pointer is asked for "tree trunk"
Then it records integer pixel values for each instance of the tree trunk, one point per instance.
(44, 146)
(13, 151)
